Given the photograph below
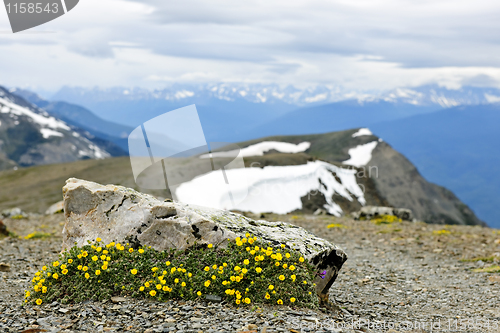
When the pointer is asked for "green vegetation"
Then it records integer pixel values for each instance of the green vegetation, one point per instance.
(245, 272)
(385, 219)
(491, 269)
(37, 235)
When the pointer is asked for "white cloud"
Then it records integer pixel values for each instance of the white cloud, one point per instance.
(365, 44)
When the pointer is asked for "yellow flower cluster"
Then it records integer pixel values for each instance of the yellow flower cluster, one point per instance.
(251, 272)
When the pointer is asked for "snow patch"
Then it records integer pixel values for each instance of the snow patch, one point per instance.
(317, 98)
(492, 98)
(41, 120)
(276, 189)
(47, 133)
(262, 147)
(361, 154)
(184, 94)
(361, 132)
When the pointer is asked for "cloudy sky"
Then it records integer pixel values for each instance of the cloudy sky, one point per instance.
(356, 44)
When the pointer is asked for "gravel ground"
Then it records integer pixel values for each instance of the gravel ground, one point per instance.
(404, 277)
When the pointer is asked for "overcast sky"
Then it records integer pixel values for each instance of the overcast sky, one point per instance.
(356, 44)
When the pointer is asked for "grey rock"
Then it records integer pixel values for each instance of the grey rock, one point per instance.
(14, 212)
(116, 213)
(56, 208)
(370, 212)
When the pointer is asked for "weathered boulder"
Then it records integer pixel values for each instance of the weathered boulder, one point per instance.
(370, 212)
(116, 213)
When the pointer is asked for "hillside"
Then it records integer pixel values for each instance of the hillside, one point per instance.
(385, 178)
(456, 148)
(30, 136)
(396, 180)
(82, 118)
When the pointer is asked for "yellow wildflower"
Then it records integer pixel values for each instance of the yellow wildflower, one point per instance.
(198, 293)
(134, 271)
(292, 299)
(87, 275)
(130, 250)
(206, 269)
(38, 301)
(268, 296)
(70, 261)
(207, 283)
(64, 271)
(141, 251)
(152, 293)
(94, 258)
(97, 272)
(271, 287)
(281, 277)
(280, 302)
(55, 276)
(210, 246)
(55, 263)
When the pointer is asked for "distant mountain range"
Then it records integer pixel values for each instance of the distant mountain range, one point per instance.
(31, 136)
(422, 122)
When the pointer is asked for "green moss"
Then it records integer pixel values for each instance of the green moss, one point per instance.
(485, 259)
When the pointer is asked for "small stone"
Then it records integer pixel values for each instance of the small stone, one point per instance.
(118, 299)
(494, 278)
(63, 310)
(310, 319)
(213, 298)
(4, 267)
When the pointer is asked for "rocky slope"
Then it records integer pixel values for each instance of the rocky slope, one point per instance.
(386, 176)
(30, 136)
